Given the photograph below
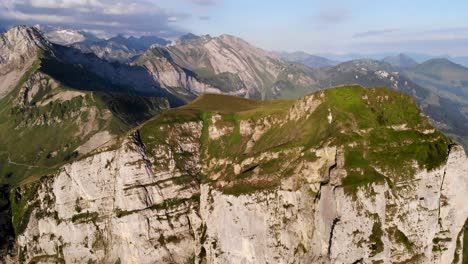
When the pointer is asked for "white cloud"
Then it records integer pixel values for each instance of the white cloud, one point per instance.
(372, 33)
(204, 2)
(397, 36)
(439, 41)
(120, 16)
(57, 4)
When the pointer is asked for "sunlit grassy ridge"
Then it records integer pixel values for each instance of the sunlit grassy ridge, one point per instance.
(382, 134)
(38, 136)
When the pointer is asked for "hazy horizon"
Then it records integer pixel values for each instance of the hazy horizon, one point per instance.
(337, 27)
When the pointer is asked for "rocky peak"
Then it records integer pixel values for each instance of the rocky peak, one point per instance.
(232, 39)
(23, 36)
(400, 60)
(18, 45)
(243, 45)
(188, 36)
(230, 63)
(191, 39)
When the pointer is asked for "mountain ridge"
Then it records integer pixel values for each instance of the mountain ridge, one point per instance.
(44, 89)
(90, 149)
(401, 60)
(231, 176)
(312, 61)
(187, 68)
(233, 66)
(120, 48)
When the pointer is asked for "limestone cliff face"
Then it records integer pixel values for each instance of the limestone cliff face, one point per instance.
(416, 222)
(116, 206)
(170, 193)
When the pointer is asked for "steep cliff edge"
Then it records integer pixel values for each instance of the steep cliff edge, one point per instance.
(346, 175)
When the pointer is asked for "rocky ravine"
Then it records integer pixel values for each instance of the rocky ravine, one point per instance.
(177, 191)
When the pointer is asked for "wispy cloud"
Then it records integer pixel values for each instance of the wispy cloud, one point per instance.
(333, 15)
(441, 40)
(204, 2)
(451, 30)
(119, 16)
(395, 36)
(373, 33)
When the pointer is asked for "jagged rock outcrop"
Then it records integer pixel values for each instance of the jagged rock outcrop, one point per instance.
(19, 48)
(120, 48)
(241, 184)
(411, 222)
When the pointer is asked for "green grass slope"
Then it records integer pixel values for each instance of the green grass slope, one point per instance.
(39, 134)
(450, 82)
(443, 77)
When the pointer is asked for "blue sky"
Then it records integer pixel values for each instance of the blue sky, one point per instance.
(334, 26)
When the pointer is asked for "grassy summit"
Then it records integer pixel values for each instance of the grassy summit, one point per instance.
(381, 132)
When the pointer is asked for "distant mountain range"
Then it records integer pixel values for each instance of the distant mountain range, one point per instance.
(442, 76)
(89, 150)
(118, 48)
(192, 65)
(65, 36)
(440, 86)
(123, 49)
(226, 64)
(312, 61)
(400, 60)
(417, 57)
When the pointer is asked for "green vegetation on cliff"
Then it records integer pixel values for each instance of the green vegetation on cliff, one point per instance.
(381, 132)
